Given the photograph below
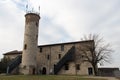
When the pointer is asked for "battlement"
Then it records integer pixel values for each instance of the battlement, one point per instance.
(32, 16)
(33, 12)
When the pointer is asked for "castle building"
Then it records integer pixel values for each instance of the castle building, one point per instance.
(61, 58)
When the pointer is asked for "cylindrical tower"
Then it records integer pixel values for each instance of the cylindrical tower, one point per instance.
(30, 43)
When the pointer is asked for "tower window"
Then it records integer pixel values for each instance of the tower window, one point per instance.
(77, 66)
(66, 67)
(36, 24)
(59, 56)
(40, 49)
(25, 46)
(36, 37)
(62, 47)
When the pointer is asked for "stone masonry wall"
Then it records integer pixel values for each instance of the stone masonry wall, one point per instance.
(54, 51)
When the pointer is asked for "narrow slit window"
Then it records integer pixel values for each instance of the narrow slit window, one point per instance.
(25, 46)
(48, 57)
(36, 24)
(59, 56)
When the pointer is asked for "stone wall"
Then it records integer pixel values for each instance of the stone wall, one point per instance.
(51, 54)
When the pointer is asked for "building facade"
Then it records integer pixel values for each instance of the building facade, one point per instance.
(62, 58)
(68, 56)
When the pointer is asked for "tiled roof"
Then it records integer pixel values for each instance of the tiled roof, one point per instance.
(13, 52)
(66, 43)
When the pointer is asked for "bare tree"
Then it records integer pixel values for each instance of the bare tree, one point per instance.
(98, 53)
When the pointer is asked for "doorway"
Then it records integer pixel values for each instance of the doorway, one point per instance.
(90, 71)
(33, 71)
(44, 70)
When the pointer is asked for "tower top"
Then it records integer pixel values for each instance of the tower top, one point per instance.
(33, 15)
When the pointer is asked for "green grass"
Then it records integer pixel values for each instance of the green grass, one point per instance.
(47, 77)
(118, 78)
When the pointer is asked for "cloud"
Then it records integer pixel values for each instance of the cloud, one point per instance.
(11, 27)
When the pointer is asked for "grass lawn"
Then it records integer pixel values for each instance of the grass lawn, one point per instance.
(45, 77)
(118, 78)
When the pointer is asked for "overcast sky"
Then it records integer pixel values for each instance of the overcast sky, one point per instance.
(62, 21)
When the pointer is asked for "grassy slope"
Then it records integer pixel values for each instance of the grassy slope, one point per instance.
(31, 77)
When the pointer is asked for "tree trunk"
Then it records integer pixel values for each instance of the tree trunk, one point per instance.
(95, 69)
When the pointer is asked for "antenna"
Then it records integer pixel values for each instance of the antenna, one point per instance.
(39, 9)
(26, 7)
(31, 9)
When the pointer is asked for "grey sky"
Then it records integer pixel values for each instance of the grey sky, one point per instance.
(61, 21)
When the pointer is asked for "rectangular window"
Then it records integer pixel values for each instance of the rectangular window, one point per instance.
(40, 49)
(62, 47)
(59, 56)
(36, 24)
(48, 57)
(77, 66)
(66, 67)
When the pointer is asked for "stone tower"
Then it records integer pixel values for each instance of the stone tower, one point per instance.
(30, 43)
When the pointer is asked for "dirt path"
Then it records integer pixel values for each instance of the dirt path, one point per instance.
(111, 78)
(108, 78)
